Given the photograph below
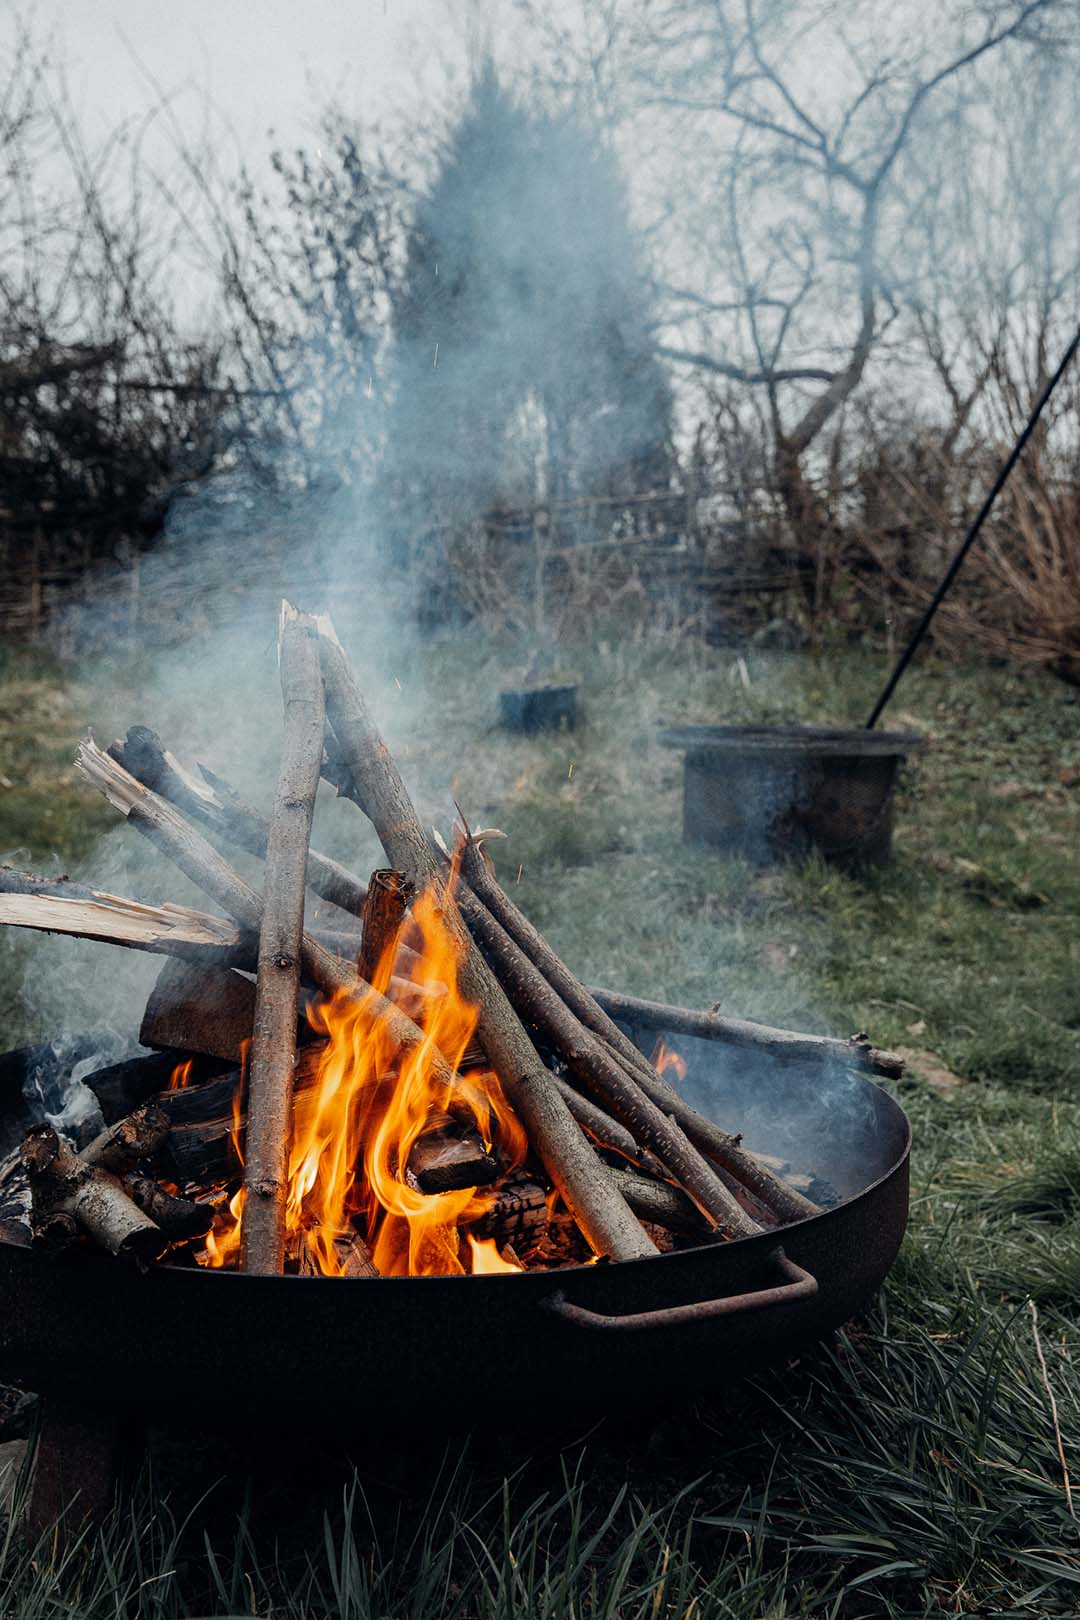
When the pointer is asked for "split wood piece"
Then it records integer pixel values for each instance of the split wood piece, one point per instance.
(203, 1152)
(277, 987)
(352, 1253)
(620, 1091)
(220, 809)
(213, 1098)
(197, 936)
(197, 859)
(375, 785)
(199, 1008)
(785, 1044)
(385, 906)
(706, 1137)
(122, 1087)
(69, 908)
(446, 1158)
(63, 1184)
(517, 1214)
(179, 1218)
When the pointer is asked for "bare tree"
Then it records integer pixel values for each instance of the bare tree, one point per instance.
(773, 142)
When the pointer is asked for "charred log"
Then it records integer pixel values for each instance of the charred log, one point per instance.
(180, 1219)
(447, 1158)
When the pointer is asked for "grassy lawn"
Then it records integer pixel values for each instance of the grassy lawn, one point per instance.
(909, 1469)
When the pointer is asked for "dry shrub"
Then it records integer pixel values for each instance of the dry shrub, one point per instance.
(1018, 595)
(548, 583)
(1025, 575)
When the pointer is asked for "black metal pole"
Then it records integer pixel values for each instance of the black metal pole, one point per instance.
(973, 533)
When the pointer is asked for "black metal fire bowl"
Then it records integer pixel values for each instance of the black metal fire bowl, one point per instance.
(89, 1330)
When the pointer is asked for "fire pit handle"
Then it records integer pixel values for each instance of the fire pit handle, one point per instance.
(799, 1285)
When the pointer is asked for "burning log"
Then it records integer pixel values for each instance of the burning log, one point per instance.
(385, 906)
(353, 1256)
(277, 990)
(518, 1214)
(350, 1254)
(221, 810)
(375, 785)
(445, 1158)
(122, 1087)
(552, 990)
(64, 1185)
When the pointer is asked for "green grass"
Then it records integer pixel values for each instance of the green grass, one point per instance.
(908, 1469)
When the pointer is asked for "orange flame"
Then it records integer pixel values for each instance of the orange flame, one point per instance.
(181, 1075)
(223, 1240)
(486, 1257)
(665, 1060)
(354, 1129)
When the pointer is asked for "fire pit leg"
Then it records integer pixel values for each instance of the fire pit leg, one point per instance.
(77, 1467)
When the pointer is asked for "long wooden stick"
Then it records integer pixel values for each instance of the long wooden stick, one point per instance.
(538, 1003)
(786, 1045)
(277, 985)
(221, 810)
(374, 783)
(166, 828)
(519, 942)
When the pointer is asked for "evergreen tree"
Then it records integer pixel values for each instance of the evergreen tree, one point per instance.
(523, 366)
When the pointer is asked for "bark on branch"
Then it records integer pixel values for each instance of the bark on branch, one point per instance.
(277, 989)
(221, 810)
(373, 782)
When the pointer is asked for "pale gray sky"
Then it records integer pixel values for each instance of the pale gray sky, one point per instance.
(261, 63)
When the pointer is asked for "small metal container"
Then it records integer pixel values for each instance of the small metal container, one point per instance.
(776, 793)
(539, 708)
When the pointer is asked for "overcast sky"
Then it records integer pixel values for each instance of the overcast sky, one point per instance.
(263, 64)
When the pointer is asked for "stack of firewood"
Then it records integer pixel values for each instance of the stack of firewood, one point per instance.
(618, 1163)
